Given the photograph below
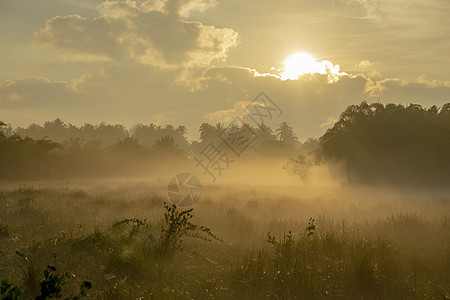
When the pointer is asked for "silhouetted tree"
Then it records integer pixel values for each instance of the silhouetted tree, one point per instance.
(286, 135)
(391, 143)
(166, 146)
(25, 157)
(56, 130)
(128, 146)
(209, 132)
(300, 166)
(181, 130)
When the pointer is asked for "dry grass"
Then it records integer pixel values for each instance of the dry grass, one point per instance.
(367, 244)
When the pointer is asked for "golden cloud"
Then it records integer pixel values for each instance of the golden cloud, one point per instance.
(152, 33)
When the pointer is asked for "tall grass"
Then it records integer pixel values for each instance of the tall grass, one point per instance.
(128, 244)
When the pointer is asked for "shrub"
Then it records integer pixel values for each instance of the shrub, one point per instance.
(9, 291)
(52, 284)
(176, 225)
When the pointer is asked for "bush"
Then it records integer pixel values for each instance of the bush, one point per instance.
(177, 225)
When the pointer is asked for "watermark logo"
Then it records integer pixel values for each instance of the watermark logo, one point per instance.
(238, 139)
(184, 189)
(262, 109)
(213, 160)
(215, 155)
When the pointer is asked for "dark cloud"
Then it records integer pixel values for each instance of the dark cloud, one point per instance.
(34, 93)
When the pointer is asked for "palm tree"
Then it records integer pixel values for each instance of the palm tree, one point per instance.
(167, 146)
(445, 110)
(56, 130)
(146, 134)
(209, 132)
(182, 130)
(286, 135)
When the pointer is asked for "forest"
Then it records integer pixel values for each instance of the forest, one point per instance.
(374, 143)
(57, 149)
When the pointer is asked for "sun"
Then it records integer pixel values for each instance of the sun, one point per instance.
(299, 64)
(303, 63)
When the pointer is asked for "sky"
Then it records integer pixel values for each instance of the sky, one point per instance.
(186, 62)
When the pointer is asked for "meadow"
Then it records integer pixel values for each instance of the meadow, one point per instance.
(243, 241)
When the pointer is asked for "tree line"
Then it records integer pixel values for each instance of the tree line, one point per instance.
(374, 143)
(57, 149)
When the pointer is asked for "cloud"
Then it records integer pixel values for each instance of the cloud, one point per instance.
(367, 68)
(153, 33)
(96, 38)
(364, 64)
(228, 115)
(423, 91)
(432, 83)
(375, 88)
(30, 92)
(330, 121)
(294, 70)
(185, 7)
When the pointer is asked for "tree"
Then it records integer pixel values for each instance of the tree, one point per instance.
(6, 129)
(146, 134)
(391, 143)
(181, 130)
(209, 132)
(25, 157)
(109, 134)
(56, 130)
(128, 146)
(167, 146)
(300, 166)
(286, 135)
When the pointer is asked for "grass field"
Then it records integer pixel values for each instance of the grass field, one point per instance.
(274, 242)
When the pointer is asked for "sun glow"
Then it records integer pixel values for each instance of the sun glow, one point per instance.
(303, 63)
(299, 64)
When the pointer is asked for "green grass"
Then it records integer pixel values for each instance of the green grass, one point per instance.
(121, 239)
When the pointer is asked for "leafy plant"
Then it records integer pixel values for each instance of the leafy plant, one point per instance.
(135, 223)
(284, 246)
(177, 225)
(311, 227)
(50, 287)
(52, 284)
(9, 291)
(300, 167)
